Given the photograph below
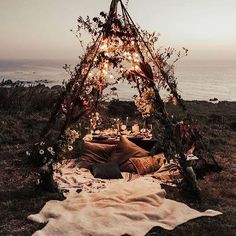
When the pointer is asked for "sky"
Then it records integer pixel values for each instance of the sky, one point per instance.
(40, 29)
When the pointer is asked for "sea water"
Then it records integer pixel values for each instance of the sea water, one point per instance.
(197, 79)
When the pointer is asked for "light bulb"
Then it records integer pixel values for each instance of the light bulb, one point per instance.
(104, 46)
(104, 72)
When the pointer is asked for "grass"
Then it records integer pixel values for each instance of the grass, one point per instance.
(22, 121)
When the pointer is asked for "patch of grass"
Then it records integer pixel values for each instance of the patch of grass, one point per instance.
(21, 121)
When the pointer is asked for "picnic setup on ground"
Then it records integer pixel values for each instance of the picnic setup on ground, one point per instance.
(113, 184)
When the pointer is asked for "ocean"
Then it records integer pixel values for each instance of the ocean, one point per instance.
(197, 79)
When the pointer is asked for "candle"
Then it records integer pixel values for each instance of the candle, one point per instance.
(135, 128)
(126, 121)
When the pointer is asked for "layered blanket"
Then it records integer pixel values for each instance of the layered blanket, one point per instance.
(121, 208)
(70, 178)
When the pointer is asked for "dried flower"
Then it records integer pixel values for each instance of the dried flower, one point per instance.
(145, 103)
(70, 148)
(28, 153)
(45, 159)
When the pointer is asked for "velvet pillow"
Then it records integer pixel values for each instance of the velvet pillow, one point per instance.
(146, 165)
(94, 153)
(106, 171)
(128, 166)
(124, 150)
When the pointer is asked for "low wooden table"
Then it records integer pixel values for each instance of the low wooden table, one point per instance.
(144, 143)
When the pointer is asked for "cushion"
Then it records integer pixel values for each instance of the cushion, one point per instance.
(126, 149)
(128, 166)
(94, 153)
(150, 164)
(106, 171)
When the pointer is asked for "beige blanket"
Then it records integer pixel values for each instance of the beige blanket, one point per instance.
(70, 178)
(122, 208)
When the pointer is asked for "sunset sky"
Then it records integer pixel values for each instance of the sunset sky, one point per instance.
(41, 28)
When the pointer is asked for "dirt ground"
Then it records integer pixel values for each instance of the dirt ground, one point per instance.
(20, 196)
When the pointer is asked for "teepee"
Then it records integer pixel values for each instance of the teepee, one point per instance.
(121, 51)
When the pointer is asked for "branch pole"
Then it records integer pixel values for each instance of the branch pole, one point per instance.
(188, 171)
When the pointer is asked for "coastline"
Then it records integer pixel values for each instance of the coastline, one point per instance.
(198, 79)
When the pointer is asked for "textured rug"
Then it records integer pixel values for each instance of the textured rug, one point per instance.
(121, 208)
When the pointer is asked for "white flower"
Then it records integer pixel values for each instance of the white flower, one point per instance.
(53, 153)
(70, 148)
(50, 149)
(27, 153)
(41, 151)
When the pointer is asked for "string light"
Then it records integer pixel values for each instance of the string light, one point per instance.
(129, 57)
(104, 72)
(103, 47)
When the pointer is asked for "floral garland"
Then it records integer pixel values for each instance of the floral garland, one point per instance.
(144, 103)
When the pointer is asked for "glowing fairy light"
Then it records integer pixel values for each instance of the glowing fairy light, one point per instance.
(104, 72)
(90, 74)
(129, 57)
(111, 76)
(103, 47)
